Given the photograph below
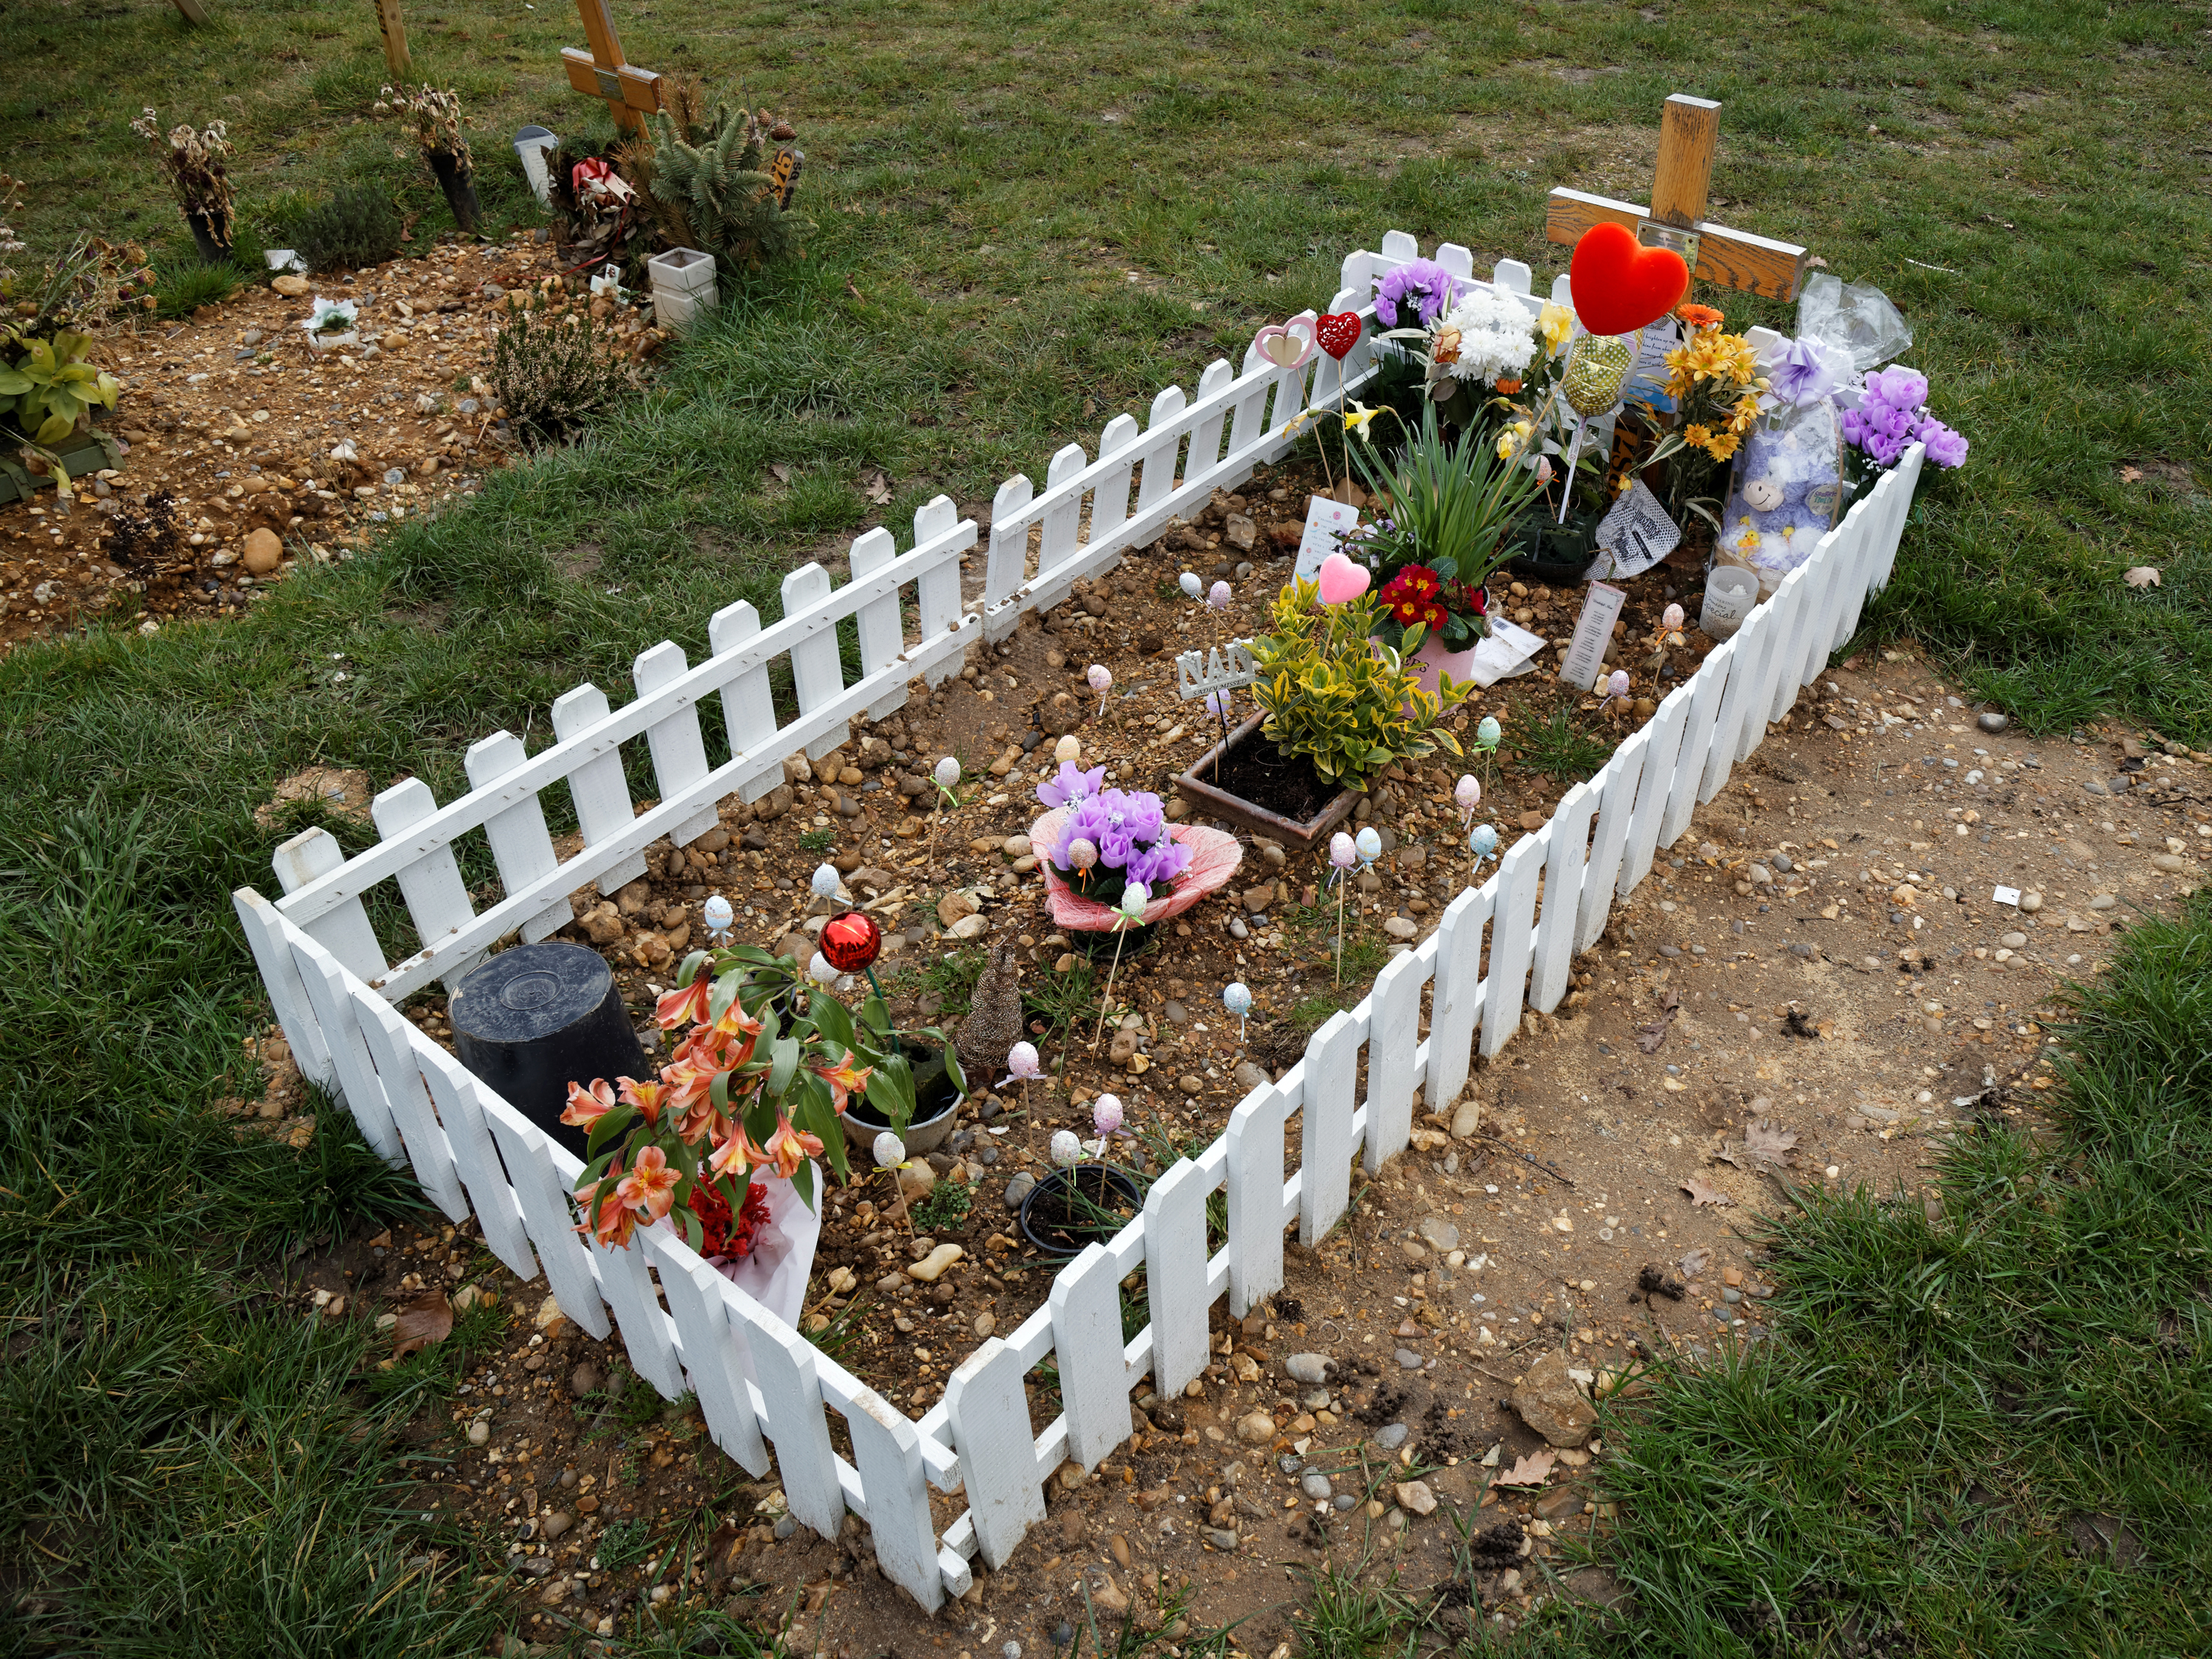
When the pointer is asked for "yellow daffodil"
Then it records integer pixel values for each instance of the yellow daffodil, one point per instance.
(1512, 441)
(1359, 420)
(1555, 322)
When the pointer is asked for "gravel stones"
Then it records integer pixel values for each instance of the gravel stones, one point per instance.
(1220, 1540)
(1311, 1369)
(584, 1380)
(1391, 1436)
(1438, 1234)
(479, 1433)
(1552, 1402)
(1415, 1495)
(1255, 1429)
(1316, 1487)
(1408, 1360)
(1989, 720)
(1018, 1189)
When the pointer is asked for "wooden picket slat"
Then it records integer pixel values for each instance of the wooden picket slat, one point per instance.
(1563, 891)
(1085, 1308)
(888, 1453)
(937, 590)
(1175, 1274)
(1747, 672)
(596, 787)
(1007, 566)
(437, 899)
(677, 744)
(1326, 1149)
(1394, 1036)
(882, 633)
(1707, 689)
(1059, 531)
(1455, 1004)
(1257, 1214)
(711, 1357)
(324, 980)
(748, 701)
(629, 1291)
(344, 931)
(1660, 782)
(1202, 459)
(784, 1366)
(989, 1409)
(265, 926)
(521, 847)
(544, 1198)
(1156, 455)
(817, 671)
(499, 1214)
(1617, 783)
(390, 1041)
(1506, 977)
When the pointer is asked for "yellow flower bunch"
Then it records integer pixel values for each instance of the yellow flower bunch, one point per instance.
(1709, 355)
(1555, 322)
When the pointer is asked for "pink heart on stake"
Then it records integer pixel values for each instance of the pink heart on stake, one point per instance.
(1286, 345)
(1341, 580)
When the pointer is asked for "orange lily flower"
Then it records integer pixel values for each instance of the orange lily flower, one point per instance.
(790, 1146)
(610, 1224)
(587, 1106)
(651, 1184)
(684, 1005)
(844, 1081)
(647, 1097)
(737, 1154)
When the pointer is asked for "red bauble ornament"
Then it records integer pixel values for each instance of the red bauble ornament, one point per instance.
(851, 941)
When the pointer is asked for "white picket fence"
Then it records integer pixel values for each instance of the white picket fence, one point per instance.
(759, 1381)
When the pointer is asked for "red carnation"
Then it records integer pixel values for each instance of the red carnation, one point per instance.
(851, 941)
(719, 1240)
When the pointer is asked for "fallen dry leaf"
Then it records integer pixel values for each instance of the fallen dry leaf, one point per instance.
(1530, 1471)
(1649, 1037)
(2143, 575)
(2131, 475)
(429, 1318)
(879, 491)
(1767, 1142)
(1695, 1263)
(1702, 1193)
(782, 472)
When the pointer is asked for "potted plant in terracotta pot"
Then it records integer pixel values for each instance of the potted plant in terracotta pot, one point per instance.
(1450, 512)
(1337, 706)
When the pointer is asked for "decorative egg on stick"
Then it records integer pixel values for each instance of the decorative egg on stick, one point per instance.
(1101, 681)
(1467, 795)
(1343, 854)
(1481, 843)
(1129, 913)
(1369, 845)
(890, 1153)
(1106, 1114)
(719, 918)
(1236, 997)
(1021, 1068)
(944, 774)
(1067, 1148)
(1069, 749)
(1670, 633)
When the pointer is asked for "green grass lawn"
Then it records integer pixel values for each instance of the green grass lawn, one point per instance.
(1030, 216)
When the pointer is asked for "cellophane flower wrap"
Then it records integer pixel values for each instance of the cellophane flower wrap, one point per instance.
(1127, 834)
(767, 1065)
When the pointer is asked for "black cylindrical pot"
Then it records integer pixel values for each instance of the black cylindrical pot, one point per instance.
(1046, 1219)
(459, 186)
(213, 251)
(532, 1020)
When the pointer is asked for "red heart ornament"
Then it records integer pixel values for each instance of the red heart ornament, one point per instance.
(1618, 286)
(1337, 332)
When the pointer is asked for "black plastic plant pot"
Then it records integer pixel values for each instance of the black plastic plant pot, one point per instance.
(935, 1101)
(1099, 944)
(534, 1020)
(459, 185)
(213, 250)
(1074, 1207)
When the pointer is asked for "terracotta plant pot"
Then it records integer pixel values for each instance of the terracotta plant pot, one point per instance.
(1296, 834)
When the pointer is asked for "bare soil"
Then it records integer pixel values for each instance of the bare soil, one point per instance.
(1817, 987)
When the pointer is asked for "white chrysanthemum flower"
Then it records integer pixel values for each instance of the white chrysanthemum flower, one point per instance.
(1496, 335)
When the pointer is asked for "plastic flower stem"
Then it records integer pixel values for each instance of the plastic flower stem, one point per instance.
(870, 970)
(1339, 926)
(1107, 1002)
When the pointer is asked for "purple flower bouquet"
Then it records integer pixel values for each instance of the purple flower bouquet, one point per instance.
(1110, 837)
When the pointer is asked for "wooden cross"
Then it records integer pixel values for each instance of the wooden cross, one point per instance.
(1729, 258)
(393, 27)
(631, 93)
